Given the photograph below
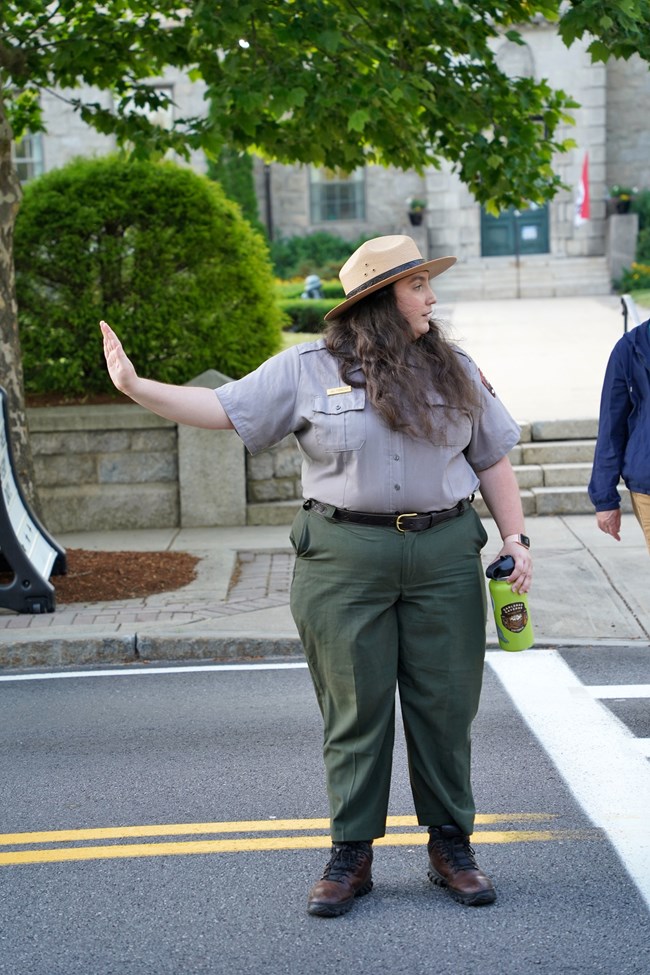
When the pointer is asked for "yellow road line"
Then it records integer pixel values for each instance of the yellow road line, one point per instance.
(263, 843)
(250, 826)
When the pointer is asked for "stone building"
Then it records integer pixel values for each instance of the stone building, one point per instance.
(539, 251)
(536, 252)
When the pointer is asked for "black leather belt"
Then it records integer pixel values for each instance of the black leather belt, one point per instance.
(408, 522)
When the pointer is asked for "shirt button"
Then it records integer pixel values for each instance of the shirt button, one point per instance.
(338, 406)
(396, 457)
(397, 487)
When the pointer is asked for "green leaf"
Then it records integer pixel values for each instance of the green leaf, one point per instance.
(599, 51)
(357, 121)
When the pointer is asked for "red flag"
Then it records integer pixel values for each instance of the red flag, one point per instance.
(582, 212)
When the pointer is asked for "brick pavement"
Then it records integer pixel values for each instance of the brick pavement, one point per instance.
(259, 580)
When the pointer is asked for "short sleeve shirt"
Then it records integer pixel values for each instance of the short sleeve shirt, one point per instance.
(350, 456)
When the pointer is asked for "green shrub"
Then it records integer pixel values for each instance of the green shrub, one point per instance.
(641, 205)
(643, 245)
(307, 314)
(634, 278)
(320, 253)
(157, 251)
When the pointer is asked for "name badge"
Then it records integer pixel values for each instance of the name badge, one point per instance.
(339, 389)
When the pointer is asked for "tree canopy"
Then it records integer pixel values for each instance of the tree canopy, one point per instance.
(331, 82)
(337, 83)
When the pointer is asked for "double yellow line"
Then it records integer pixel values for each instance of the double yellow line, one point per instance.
(49, 853)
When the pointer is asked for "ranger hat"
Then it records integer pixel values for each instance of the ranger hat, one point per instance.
(379, 262)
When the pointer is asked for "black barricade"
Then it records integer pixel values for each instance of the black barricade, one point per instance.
(26, 548)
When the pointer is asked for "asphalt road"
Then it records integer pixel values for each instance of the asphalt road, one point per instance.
(226, 763)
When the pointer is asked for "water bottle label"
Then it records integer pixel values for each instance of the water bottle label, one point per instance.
(514, 617)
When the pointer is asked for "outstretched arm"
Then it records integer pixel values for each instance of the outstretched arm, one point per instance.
(500, 491)
(195, 406)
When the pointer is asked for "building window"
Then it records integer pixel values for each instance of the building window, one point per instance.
(337, 196)
(28, 156)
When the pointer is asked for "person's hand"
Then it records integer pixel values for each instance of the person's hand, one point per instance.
(120, 368)
(521, 577)
(610, 522)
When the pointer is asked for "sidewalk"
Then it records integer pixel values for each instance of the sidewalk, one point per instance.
(546, 359)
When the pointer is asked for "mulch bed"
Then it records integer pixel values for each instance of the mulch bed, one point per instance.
(104, 576)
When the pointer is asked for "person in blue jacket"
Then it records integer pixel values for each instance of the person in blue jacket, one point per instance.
(623, 444)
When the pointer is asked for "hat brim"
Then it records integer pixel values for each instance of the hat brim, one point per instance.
(435, 267)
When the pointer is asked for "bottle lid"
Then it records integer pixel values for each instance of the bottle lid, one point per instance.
(501, 567)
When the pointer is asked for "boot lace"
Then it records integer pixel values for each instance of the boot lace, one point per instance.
(457, 851)
(345, 859)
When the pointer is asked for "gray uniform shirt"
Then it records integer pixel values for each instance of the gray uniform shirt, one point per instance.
(350, 457)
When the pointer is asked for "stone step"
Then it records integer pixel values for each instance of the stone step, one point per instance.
(534, 276)
(570, 500)
(557, 452)
(582, 429)
(552, 475)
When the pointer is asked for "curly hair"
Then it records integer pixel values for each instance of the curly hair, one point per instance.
(399, 373)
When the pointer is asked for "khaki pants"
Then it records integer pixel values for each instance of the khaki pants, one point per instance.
(641, 508)
(378, 609)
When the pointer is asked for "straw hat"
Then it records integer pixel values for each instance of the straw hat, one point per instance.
(379, 262)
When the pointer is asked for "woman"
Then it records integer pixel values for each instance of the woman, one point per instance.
(397, 429)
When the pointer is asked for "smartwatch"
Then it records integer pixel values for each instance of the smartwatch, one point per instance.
(520, 539)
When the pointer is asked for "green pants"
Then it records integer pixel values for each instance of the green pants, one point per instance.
(378, 609)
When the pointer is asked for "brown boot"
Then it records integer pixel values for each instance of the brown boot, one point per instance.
(453, 866)
(348, 874)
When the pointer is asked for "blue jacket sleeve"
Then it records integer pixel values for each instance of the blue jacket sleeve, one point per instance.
(615, 408)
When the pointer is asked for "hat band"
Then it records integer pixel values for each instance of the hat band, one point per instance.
(382, 277)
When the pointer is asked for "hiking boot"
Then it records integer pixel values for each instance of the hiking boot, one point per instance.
(348, 874)
(453, 866)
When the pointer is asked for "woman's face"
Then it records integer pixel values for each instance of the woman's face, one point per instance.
(415, 301)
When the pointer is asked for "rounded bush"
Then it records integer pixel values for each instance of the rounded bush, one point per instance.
(155, 250)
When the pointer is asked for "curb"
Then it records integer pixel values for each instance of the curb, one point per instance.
(80, 651)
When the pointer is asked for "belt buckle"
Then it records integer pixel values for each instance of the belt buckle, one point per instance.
(410, 514)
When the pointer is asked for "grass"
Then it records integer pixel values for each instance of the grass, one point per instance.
(641, 297)
(295, 338)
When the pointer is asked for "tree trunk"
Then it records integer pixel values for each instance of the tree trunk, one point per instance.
(11, 366)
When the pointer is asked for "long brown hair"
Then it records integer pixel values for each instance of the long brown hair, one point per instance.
(400, 374)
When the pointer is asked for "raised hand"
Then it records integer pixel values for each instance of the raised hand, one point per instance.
(120, 368)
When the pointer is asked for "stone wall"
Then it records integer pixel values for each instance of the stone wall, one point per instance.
(628, 135)
(110, 468)
(101, 468)
(274, 474)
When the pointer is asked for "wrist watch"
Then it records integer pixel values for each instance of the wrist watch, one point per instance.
(520, 539)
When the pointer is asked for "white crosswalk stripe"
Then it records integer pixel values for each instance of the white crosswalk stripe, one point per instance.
(600, 760)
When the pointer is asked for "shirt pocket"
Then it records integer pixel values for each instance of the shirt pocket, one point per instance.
(339, 420)
(452, 427)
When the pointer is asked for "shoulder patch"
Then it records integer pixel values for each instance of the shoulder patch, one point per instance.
(487, 384)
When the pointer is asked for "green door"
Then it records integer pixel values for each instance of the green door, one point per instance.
(515, 232)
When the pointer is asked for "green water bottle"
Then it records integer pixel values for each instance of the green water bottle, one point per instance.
(511, 614)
